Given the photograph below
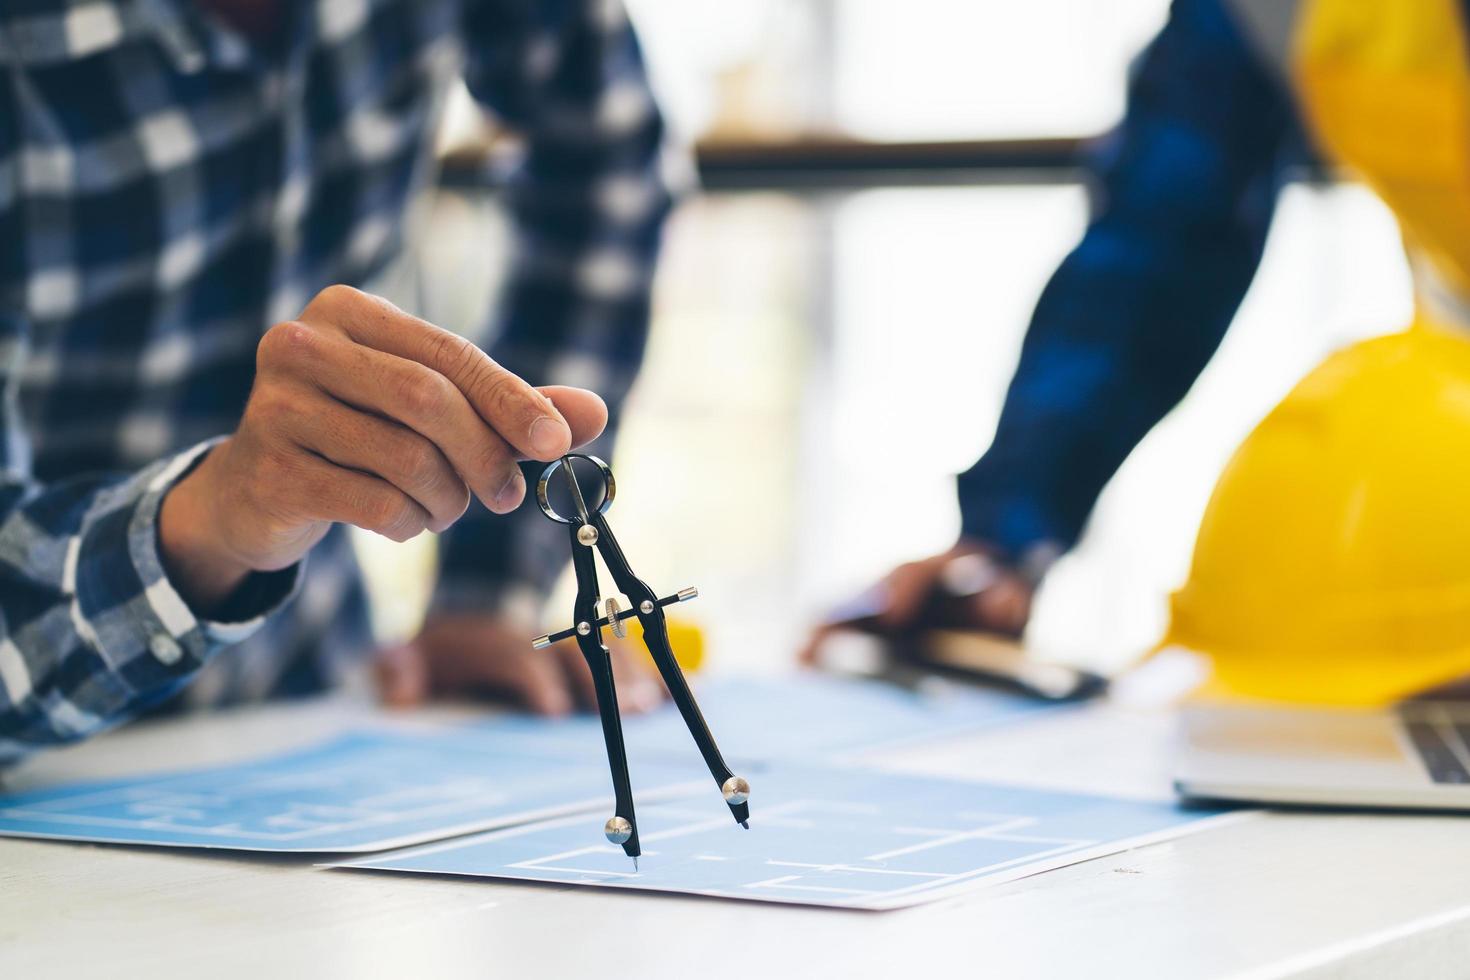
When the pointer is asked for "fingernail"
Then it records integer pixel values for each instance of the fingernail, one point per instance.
(508, 497)
(548, 436)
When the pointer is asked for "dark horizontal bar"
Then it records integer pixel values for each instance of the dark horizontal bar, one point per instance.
(728, 163)
(816, 162)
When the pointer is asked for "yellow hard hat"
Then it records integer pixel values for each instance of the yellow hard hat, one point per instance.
(1333, 561)
(685, 637)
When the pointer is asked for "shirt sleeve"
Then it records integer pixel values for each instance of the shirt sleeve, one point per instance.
(588, 203)
(1186, 188)
(91, 630)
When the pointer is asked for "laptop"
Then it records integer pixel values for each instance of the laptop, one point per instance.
(1414, 755)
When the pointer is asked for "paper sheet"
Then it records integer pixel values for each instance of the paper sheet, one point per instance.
(840, 837)
(374, 790)
(363, 791)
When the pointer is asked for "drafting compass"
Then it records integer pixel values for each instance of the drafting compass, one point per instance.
(590, 613)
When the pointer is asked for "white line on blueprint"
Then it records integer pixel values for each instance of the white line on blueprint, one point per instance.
(954, 837)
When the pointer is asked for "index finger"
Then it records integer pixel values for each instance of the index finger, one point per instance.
(525, 417)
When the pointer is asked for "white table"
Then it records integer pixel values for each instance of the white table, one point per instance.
(1282, 894)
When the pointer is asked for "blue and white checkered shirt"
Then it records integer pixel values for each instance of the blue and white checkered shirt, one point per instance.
(169, 189)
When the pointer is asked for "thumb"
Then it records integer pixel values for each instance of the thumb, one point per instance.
(909, 587)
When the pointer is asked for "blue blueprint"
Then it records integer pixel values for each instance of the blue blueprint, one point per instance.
(819, 836)
(362, 791)
(814, 716)
(378, 789)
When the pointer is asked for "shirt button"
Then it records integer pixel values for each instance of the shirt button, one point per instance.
(165, 648)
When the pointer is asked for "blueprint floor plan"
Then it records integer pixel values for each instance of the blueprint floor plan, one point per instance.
(362, 791)
(378, 789)
(532, 795)
(841, 837)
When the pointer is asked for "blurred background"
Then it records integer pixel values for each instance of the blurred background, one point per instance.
(885, 188)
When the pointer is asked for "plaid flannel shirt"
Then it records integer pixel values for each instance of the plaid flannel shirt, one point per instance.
(167, 191)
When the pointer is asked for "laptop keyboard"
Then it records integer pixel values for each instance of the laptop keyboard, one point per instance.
(1441, 737)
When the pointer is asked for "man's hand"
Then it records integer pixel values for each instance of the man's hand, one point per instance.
(474, 654)
(362, 414)
(962, 588)
(985, 594)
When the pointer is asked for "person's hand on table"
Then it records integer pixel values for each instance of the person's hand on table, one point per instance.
(470, 654)
(365, 415)
(962, 588)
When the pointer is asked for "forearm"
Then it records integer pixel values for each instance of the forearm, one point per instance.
(1187, 188)
(1112, 348)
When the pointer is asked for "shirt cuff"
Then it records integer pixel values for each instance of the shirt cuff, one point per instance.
(1020, 533)
(123, 601)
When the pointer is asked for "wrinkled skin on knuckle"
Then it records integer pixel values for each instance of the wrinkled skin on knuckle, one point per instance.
(407, 532)
(504, 394)
(442, 522)
(426, 396)
(393, 516)
(494, 389)
(420, 467)
(494, 464)
(416, 462)
(378, 512)
(457, 356)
